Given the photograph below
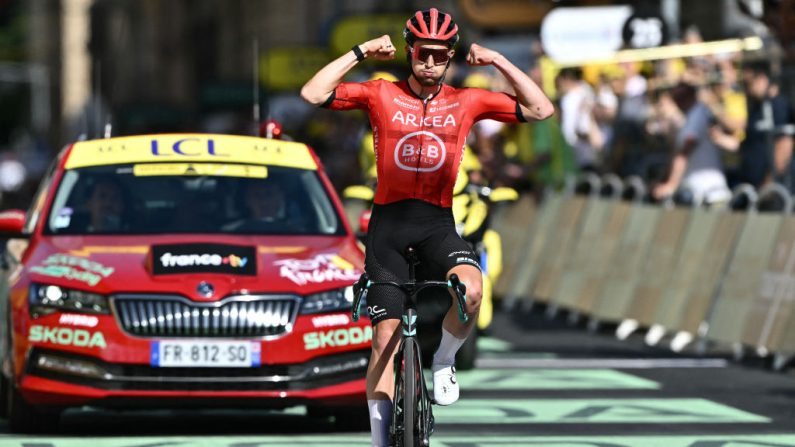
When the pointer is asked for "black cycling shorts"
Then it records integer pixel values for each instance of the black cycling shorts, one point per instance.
(394, 227)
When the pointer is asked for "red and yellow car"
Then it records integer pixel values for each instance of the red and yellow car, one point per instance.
(180, 270)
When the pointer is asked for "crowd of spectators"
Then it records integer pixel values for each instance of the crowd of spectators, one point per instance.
(705, 123)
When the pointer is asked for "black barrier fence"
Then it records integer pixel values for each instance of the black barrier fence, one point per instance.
(691, 274)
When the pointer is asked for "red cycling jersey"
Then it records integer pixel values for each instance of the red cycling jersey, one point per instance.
(419, 143)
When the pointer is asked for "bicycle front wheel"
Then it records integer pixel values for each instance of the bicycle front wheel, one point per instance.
(410, 390)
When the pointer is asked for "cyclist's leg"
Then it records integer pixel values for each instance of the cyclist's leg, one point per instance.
(380, 379)
(384, 307)
(383, 262)
(445, 254)
(380, 371)
(448, 254)
(472, 277)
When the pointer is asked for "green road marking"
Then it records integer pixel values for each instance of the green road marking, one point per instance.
(493, 344)
(567, 411)
(515, 355)
(325, 440)
(494, 347)
(551, 379)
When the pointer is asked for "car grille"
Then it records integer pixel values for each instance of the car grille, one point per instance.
(249, 316)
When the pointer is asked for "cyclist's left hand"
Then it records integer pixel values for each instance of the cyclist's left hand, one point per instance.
(481, 55)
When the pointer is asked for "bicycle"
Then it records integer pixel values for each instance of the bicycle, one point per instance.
(411, 411)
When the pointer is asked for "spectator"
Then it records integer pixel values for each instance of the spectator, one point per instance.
(696, 163)
(536, 155)
(766, 151)
(577, 103)
(606, 108)
(628, 148)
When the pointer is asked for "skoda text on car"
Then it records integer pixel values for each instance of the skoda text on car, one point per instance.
(189, 269)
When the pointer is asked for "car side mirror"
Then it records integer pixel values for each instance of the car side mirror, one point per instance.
(12, 224)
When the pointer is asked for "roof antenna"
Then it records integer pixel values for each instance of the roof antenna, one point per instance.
(108, 127)
(97, 118)
(255, 85)
(83, 136)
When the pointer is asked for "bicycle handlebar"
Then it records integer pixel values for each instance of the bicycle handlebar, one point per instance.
(461, 296)
(361, 287)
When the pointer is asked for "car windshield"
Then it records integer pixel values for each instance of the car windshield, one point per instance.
(192, 198)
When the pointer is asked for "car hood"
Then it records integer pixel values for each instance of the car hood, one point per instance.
(180, 264)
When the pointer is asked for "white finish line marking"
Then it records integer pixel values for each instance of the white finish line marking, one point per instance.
(600, 363)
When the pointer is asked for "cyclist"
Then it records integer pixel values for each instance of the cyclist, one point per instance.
(419, 128)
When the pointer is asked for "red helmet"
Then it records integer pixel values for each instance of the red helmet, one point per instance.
(433, 25)
(270, 129)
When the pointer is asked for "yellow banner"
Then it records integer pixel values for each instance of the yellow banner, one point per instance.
(290, 68)
(190, 169)
(224, 149)
(550, 68)
(355, 30)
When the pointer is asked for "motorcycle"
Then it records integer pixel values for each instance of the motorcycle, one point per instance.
(471, 205)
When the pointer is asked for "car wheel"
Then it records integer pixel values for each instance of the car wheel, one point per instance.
(25, 418)
(465, 359)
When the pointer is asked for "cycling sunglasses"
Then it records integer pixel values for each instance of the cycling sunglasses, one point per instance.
(440, 55)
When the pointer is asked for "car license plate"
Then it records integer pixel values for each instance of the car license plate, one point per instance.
(205, 353)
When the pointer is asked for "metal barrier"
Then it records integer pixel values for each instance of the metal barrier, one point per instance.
(594, 249)
(781, 338)
(513, 222)
(658, 267)
(778, 334)
(735, 317)
(699, 264)
(702, 266)
(618, 289)
(528, 265)
(562, 240)
(771, 306)
(723, 273)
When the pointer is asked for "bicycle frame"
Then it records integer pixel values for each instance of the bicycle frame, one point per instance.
(408, 356)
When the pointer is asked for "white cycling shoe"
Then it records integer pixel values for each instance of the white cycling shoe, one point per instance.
(445, 385)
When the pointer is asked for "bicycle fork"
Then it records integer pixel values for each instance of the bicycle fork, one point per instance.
(424, 415)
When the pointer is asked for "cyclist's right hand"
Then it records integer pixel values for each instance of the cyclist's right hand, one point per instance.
(479, 56)
(380, 48)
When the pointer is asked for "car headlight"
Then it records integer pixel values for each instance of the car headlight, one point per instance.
(330, 301)
(45, 299)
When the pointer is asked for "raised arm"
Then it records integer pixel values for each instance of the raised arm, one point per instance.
(317, 90)
(534, 103)
(782, 154)
(678, 169)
